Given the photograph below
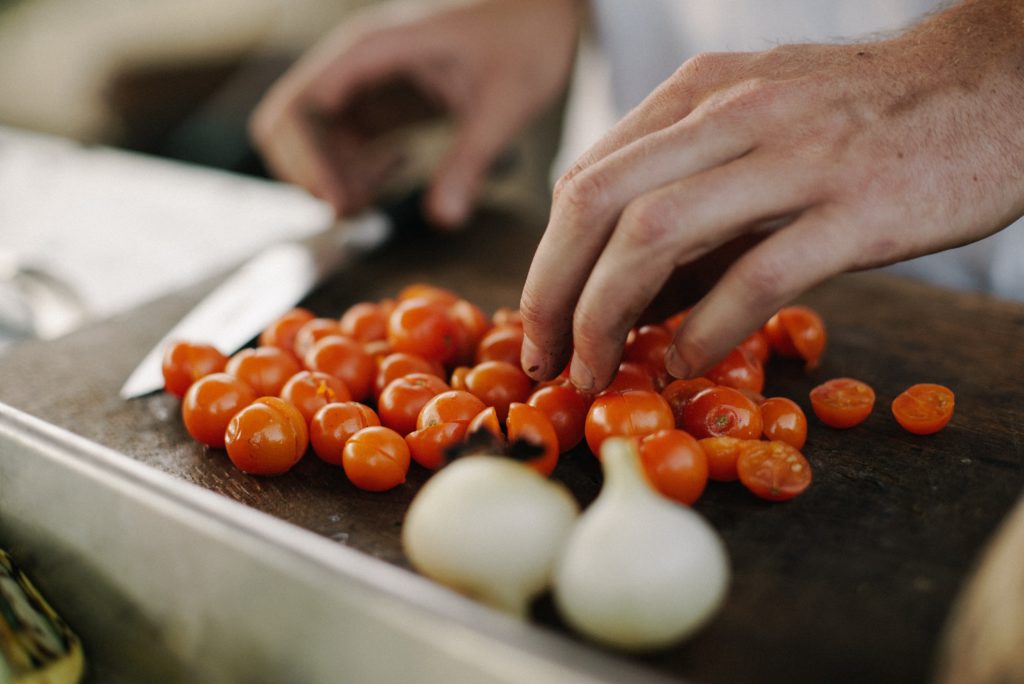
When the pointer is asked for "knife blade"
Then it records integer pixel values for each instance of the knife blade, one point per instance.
(261, 290)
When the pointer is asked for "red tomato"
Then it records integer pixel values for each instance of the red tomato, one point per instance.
(783, 420)
(471, 324)
(265, 369)
(453, 406)
(376, 459)
(647, 346)
(309, 391)
(739, 370)
(504, 315)
(797, 332)
(924, 408)
(313, 331)
(631, 376)
(399, 364)
(679, 392)
(281, 333)
(487, 420)
(334, 423)
(501, 343)
(423, 327)
(365, 322)
(345, 359)
(210, 404)
(675, 464)
(722, 412)
(566, 408)
(758, 346)
(529, 423)
(773, 470)
(267, 437)
(458, 377)
(185, 362)
(498, 384)
(429, 292)
(722, 454)
(633, 413)
(842, 402)
(429, 446)
(401, 401)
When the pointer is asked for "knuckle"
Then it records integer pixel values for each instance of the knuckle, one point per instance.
(581, 194)
(537, 319)
(591, 332)
(765, 280)
(701, 67)
(646, 223)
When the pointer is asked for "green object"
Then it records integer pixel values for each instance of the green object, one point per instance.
(36, 646)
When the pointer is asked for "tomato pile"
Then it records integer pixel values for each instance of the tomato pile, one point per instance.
(404, 380)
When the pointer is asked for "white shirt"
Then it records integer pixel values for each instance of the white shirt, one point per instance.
(644, 41)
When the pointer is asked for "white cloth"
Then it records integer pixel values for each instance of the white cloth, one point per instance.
(645, 41)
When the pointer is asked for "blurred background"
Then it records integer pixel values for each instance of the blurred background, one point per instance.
(125, 167)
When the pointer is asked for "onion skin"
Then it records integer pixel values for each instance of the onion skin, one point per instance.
(639, 572)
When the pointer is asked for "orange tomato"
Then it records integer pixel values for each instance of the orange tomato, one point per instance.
(429, 446)
(267, 437)
(675, 464)
(739, 370)
(797, 332)
(400, 403)
(333, 424)
(265, 369)
(498, 384)
(783, 420)
(566, 408)
(631, 413)
(722, 454)
(924, 409)
(423, 327)
(365, 322)
(281, 333)
(311, 390)
(345, 359)
(376, 459)
(842, 402)
(773, 470)
(529, 423)
(210, 404)
(722, 412)
(185, 362)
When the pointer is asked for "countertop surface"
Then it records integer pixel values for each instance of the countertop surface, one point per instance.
(850, 582)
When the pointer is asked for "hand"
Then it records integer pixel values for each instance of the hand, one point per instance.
(492, 65)
(811, 159)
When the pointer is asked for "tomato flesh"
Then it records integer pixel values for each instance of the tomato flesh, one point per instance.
(924, 409)
(773, 470)
(842, 402)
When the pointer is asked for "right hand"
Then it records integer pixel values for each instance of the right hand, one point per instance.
(493, 65)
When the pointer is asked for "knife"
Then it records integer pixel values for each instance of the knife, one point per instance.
(262, 289)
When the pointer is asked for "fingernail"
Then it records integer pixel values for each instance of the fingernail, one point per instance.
(581, 376)
(674, 363)
(531, 359)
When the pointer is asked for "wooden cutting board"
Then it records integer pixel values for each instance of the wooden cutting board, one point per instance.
(850, 582)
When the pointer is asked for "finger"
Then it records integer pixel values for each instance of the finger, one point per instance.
(660, 231)
(788, 262)
(584, 213)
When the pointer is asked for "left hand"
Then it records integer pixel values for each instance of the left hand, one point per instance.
(815, 159)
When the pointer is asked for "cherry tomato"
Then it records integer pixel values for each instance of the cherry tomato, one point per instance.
(566, 408)
(647, 346)
(501, 343)
(423, 327)
(334, 423)
(185, 362)
(504, 315)
(309, 391)
(739, 370)
(631, 376)
(429, 446)
(722, 454)
(313, 331)
(453, 406)
(365, 322)
(722, 412)
(471, 324)
(758, 346)
(675, 464)
(210, 404)
(842, 402)
(376, 459)
(498, 384)
(529, 423)
(774, 471)
(345, 359)
(924, 408)
(487, 420)
(281, 333)
(679, 392)
(797, 332)
(458, 377)
(265, 369)
(632, 413)
(401, 401)
(429, 292)
(267, 437)
(783, 420)
(399, 364)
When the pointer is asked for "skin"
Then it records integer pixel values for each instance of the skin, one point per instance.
(743, 180)
(480, 63)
